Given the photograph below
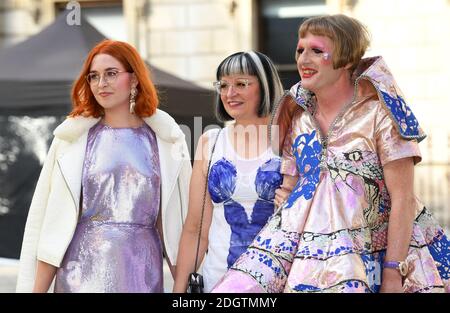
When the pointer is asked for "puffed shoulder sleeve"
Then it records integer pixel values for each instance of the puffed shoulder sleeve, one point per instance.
(392, 144)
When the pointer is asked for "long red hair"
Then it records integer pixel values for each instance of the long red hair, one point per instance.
(83, 100)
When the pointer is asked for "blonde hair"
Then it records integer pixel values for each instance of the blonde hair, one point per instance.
(350, 37)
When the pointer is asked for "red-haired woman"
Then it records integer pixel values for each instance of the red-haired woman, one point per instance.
(116, 175)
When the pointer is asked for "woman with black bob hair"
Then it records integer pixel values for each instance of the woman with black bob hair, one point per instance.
(237, 166)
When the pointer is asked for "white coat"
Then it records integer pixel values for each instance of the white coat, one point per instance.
(54, 210)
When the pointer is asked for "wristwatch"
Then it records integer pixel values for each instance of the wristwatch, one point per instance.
(402, 267)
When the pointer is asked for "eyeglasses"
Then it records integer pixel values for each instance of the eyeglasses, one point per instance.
(109, 77)
(239, 85)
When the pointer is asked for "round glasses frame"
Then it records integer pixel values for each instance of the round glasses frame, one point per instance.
(107, 77)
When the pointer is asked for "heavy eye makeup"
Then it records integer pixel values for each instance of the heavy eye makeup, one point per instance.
(315, 50)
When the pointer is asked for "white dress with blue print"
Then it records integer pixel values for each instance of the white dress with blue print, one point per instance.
(242, 191)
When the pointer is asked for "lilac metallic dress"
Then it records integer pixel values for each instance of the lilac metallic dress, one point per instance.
(116, 246)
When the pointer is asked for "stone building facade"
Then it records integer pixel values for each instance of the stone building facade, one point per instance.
(189, 38)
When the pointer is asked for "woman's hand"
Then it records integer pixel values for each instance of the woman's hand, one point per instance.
(391, 281)
(282, 193)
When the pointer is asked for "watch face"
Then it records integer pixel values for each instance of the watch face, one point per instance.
(403, 268)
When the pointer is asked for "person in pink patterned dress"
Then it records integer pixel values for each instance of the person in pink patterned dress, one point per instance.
(349, 145)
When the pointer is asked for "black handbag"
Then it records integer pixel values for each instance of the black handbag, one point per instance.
(195, 282)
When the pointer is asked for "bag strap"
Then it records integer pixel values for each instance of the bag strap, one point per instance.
(204, 199)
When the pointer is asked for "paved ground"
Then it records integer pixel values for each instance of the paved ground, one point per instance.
(8, 276)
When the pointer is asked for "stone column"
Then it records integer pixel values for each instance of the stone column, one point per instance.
(17, 20)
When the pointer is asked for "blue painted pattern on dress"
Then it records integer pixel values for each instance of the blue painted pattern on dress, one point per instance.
(272, 249)
(440, 251)
(222, 180)
(268, 179)
(285, 246)
(222, 184)
(278, 242)
(306, 149)
(350, 285)
(303, 96)
(372, 264)
(303, 287)
(408, 124)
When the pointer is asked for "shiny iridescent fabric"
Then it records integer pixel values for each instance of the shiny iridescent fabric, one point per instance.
(331, 235)
(116, 247)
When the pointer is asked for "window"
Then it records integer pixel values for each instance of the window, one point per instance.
(278, 26)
